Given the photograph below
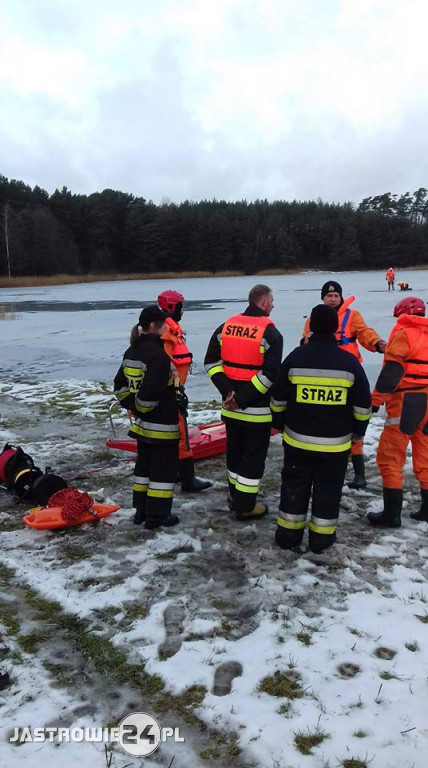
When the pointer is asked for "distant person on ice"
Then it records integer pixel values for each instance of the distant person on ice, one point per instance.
(403, 387)
(390, 277)
(175, 346)
(322, 403)
(145, 384)
(243, 359)
(352, 330)
(404, 286)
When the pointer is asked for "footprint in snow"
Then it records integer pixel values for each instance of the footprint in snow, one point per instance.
(173, 621)
(224, 676)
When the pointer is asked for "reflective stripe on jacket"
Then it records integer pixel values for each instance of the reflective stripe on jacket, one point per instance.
(242, 346)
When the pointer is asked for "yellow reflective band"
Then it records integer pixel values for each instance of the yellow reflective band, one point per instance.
(287, 524)
(232, 480)
(319, 382)
(152, 433)
(216, 369)
(278, 408)
(321, 528)
(321, 448)
(133, 373)
(143, 408)
(361, 416)
(265, 418)
(139, 487)
(258, 385)
(321, 395)
(122, 395)
(160, 494)
(262, 349)
(246, 488)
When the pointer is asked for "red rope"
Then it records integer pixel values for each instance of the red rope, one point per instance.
(74, 504)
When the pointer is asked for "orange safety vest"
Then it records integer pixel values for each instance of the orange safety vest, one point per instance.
(181, 354)
(343, 334)
(390, 274)
(416, 365)
(242, 350)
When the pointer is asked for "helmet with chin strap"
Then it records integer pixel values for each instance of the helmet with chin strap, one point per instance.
(168, 300)
(410, 306)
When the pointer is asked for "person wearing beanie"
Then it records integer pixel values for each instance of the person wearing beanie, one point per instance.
(175, 346)
(352, 330)
(145, 385)
(321, 401)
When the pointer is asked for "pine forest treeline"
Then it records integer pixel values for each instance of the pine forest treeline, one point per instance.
(115, 232)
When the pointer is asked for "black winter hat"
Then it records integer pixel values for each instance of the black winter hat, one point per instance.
(151, 314)
(324, 320)
(331, 286)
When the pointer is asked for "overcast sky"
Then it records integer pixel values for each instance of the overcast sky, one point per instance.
(233, 99)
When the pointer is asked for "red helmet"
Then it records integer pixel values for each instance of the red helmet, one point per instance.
(410, 306)
(168, 300)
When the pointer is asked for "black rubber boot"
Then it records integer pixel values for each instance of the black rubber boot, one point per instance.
(139, 516)
(168, 522)
(390, 517)
(422, 514)
(190, 483)
(359, 480)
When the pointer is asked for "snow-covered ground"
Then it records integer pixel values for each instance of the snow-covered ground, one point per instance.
(211, 609)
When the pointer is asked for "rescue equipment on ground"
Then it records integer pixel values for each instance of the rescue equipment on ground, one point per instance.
(24, 479)
(205, 441)
(66, 508)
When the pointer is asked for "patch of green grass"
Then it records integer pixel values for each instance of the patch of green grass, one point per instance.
(354, 762)
(348, 670)
(304, 637)
(385, 675)
(423, 619)
(281, 684)
(8, 618)
(360, 734)
(183, 705)
(31, 641)
(413, 646)
(58, 672)
(355, 631)
(285, 709)
(385, 653)
(212, 753)
(305, 742)
(6, 574)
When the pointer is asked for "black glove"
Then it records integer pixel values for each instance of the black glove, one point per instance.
(182, 401)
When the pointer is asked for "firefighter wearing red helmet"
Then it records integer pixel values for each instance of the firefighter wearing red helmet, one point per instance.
(175, 346)
(403, 387)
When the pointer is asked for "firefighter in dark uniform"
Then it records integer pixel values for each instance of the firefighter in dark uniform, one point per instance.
(146, 384)
(322, 402)
(243, 360)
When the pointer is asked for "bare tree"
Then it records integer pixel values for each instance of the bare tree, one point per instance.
(5, 227)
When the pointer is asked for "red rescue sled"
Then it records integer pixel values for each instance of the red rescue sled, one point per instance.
(50, 518)
(206, 440)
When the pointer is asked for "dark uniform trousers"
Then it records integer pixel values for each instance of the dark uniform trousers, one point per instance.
(155, 473)
(246, 452)
(304, 472)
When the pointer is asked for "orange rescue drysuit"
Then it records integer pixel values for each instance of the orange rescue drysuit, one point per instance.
(403, 387)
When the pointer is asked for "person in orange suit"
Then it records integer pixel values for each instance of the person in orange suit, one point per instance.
(176, 348)
(403, 387)
(352, 330)
(390, 277)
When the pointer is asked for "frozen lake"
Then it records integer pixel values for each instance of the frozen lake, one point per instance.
(81, 331)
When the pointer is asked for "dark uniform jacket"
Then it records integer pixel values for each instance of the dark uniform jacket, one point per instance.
(253, 403)
(321, 398)
(144, 384)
